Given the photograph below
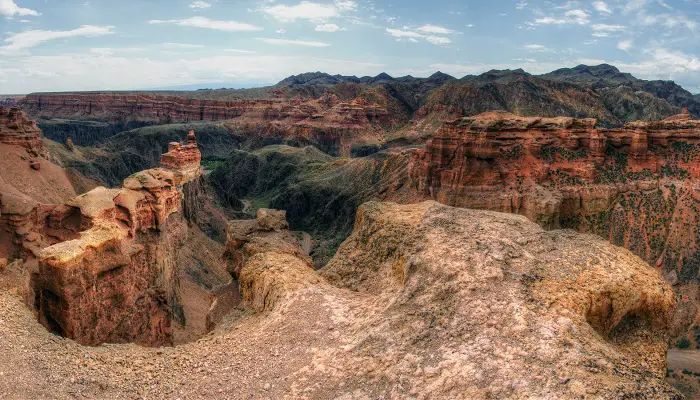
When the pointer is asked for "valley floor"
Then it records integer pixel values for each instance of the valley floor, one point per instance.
(685, 365)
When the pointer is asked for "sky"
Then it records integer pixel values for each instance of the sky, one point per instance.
(67, 45)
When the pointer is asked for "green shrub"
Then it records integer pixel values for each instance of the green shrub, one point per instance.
(683, 343)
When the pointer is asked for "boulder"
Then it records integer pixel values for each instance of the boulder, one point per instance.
(272, 220)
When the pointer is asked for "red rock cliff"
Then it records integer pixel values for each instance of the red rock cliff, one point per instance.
(17, 129)
(326, 120)
(117, 280)
(636, 186)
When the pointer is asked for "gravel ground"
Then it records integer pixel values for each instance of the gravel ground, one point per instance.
(255, 359)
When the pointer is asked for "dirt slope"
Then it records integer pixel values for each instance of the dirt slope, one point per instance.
(422, 301)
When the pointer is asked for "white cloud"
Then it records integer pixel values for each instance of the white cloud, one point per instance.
(574, 17)
(520, 5)
(347, 5)
(9, 8)
(309, 11)
(551, 21)
(436, 30)
(602, 7)
(577, 15)
(538, 48)
(182, 46)
(200, 5)
(608, 28)
(281, 31)
(645, 17)
(670, 21)
(624, 45)
(437, 39)
(239, 51)
(293, 42)
(115, 50)
(31, 38)
(399, 33)
(328, 28)
(664, 4)
(675, 61)
(203, 22)
(425, 32)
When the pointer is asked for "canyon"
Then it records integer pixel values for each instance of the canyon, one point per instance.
(398, 312)
(505, 235)
(327, 122)
(104, 266)
(342, 114)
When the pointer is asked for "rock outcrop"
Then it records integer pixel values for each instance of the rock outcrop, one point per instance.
(474, 304)
(17, 129)
(422, 301)
(118, 280)
(246, 239)
(30, 186)
(635, 185)
(184, 160)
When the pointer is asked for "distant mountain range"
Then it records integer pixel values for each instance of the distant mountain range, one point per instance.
(601, 92)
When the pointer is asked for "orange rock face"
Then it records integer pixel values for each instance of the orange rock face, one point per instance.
(184, 159)
(17, 129)
(512, 154)
(636, 186)
(29, 186)
(117, 280)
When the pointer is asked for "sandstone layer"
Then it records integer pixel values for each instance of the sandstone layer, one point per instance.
(113, 276)
(636, 185)
(422, 301)
(17, 129)
(30, 186)
(326, 121)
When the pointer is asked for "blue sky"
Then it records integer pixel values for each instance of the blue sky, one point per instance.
(53, 45)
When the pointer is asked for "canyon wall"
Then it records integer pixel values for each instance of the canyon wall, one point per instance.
(636, 185)
(327, 122)
(17, 129)
(30, 186)
(115, 277)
